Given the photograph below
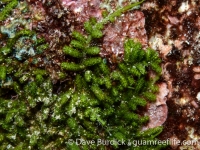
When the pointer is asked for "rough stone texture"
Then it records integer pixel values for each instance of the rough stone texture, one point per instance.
(130, 25)
(173, 29)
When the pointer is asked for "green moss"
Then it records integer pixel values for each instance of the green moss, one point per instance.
(72, 66)
(92, 50)
(7, 9)
(94, 102)
(125, 88)
(72, 52)
(2, 72)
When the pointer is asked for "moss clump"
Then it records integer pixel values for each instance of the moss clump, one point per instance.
(98, 103)
(107, 98)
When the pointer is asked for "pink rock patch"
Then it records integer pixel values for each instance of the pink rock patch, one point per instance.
(158, 111)
(83, 9)
(130, 25)
(163, 92)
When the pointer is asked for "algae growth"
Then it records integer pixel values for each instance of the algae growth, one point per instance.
(96, 102)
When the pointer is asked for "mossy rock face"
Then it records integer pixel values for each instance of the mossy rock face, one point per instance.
(96, 102)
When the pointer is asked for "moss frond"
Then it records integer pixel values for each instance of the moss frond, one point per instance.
(71, 66)
(91, 61)
(72, 52)
(92, 50)
(2, 72)
(8, 9)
